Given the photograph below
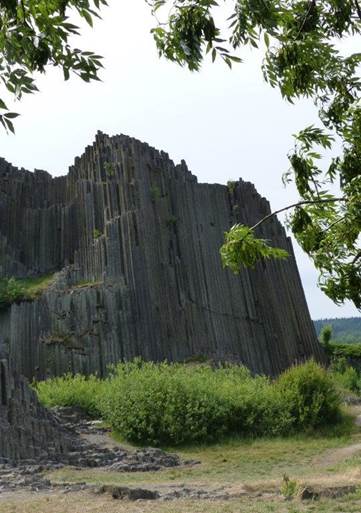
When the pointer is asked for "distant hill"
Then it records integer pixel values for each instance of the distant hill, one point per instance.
(345, 330)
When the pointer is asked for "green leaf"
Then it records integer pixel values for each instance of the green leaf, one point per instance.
(11, 115)
(242, 249)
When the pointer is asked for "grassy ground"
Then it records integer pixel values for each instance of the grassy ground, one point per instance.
(251, 472)
(234, 461)
(83, 503)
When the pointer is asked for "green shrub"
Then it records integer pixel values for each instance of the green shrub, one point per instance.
(155, 193)
(289, 487)
(172, 404)
(11, 291)
(326, 335)
(109, 168)
(344, 350)
(231, 185)
(345, 376)
(97, 233)
(350, 379)
(310, 395)
(164, 404)
(80, 391)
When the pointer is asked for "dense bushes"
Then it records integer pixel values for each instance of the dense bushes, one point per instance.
(345, 376)
(162, 404)
(344, 350)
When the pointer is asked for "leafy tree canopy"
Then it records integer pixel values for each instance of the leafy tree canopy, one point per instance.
(300, 39)
(37, 33)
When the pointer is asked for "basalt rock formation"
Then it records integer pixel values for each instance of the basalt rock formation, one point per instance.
(27, 429)
(134, 240)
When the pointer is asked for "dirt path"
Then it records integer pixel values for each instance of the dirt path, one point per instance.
(334, 456)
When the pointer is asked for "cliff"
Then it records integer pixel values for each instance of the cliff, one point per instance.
(27, 430)
(134, 240)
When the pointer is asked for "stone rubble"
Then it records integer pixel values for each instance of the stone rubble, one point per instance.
(29, 473)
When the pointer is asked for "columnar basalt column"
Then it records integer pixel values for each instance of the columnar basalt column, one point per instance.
(135, 240)
(27, 430)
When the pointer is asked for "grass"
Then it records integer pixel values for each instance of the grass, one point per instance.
(228, 463)
(34, 287)
(14, 290)
(252, 470)
(84, 503)
(255, 466)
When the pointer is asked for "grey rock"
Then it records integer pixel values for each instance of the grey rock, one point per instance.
(20, 472)
(135, 241)
(132, 494)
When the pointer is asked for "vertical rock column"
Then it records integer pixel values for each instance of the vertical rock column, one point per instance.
(140, 238)
(27, 430)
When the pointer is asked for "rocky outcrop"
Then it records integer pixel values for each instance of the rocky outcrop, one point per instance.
(27, 430)
(135, 242)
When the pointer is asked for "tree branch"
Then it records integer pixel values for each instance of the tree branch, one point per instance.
(295, 205)
(334, 223)
(358, 8)
(312, 4)
(357, 257)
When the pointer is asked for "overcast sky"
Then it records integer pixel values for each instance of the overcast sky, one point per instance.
(225, 124)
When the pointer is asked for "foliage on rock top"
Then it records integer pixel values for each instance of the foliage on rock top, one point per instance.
(14, 290)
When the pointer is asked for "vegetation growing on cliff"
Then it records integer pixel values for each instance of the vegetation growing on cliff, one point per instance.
(172, 404)
(13, 290)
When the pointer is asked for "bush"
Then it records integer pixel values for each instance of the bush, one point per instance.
(344, 350)
(83, 392)
(345, 376)
(165, 404)
(11, 291)
(310, 396)
(350, 379)
(14, 290)
(172, 404)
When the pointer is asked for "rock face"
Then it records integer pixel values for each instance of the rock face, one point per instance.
(27, 430)
(135, 242)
